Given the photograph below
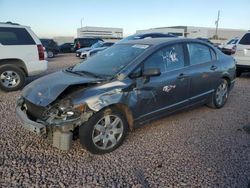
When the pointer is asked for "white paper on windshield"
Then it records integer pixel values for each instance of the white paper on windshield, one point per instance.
(141, 46)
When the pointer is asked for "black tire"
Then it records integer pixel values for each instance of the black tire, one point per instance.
(87, 130)
(238, 73)
(214, 103)
(51, 54)
(17, 72)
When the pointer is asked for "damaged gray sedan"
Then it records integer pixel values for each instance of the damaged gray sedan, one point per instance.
(125, 86)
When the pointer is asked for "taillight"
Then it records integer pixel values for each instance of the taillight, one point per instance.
(233, 49)
(40, 52)
(78, 45)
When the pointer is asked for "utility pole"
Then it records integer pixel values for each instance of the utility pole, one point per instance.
(217, 25)
(82, 21)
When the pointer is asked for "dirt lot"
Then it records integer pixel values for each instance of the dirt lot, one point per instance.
(201, 147)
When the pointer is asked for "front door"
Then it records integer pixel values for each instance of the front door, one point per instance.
(167, 92)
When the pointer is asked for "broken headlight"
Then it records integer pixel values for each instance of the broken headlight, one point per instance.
(64, 110)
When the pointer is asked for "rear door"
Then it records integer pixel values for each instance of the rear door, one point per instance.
(242, 54)
(203, 71)
(167, 92)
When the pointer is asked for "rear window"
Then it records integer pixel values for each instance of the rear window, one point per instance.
(245, 40)
(199, 53)
(15, 36)
(45, 42)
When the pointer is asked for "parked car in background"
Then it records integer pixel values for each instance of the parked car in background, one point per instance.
(242, 54)
(85, 42)
(229, 47)
(125, 86)
(95, 49)
(51, 47)
(66, 47)
(147, 35)
(95, 45)
(21, 55)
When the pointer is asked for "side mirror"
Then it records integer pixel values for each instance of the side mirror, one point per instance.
(151, 72)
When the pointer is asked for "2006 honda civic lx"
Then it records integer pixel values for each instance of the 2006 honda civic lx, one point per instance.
(127, 85)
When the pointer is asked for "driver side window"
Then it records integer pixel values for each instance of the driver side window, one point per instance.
(166, 59)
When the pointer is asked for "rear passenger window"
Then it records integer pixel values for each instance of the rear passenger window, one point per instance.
(15, 36)
(199, 53)
(245, 40)
(167, 59)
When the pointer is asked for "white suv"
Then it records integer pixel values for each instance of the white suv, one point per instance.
(242, 54)
(21, 55)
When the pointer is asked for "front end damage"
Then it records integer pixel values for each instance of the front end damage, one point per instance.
(56, 122)
(55, 110)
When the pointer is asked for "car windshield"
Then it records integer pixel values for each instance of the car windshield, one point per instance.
(112, 60)
(97, 44)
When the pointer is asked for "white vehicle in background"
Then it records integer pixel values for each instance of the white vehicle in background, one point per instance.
(93, 51)
(229, 47)
(242, 54)
(21, 55)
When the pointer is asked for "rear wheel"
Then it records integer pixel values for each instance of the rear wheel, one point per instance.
(51, 54)
(220, 95)
(12, 78)
(104, 132)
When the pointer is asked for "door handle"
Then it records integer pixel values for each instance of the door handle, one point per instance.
(213, 67)
(182, 76)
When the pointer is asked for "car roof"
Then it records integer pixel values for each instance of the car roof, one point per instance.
(158, 41)
(155, 33)
(13, 25)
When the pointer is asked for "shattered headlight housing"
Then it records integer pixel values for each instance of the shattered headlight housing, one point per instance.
(64, 110)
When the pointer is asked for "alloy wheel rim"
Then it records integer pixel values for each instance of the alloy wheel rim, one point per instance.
(221, 93)
(50, 54)
(107, 132)
(10, 79)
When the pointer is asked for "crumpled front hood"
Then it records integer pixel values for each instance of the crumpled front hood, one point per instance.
(45, 90)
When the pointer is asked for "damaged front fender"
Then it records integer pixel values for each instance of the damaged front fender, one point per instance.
(102, 96)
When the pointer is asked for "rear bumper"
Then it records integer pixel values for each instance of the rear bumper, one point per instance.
(28, 124)
(37, 67)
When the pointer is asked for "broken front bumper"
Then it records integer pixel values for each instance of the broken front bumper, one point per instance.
(32, 126)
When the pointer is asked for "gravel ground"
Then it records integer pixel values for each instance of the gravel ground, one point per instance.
(201, 147)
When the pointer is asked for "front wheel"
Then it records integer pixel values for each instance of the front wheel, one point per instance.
(220, 95)
(12, 78)
(104, 132)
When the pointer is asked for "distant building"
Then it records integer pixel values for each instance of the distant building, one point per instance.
(195, 32)
(101, 32)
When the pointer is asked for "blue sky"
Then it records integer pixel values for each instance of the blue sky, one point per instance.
(50, 18)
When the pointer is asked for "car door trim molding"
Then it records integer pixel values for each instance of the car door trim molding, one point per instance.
(173, 105)
(162, 109)
(200, 95)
